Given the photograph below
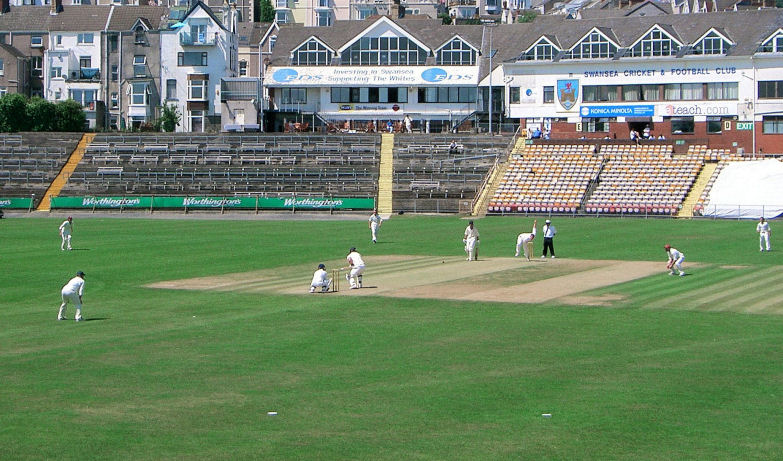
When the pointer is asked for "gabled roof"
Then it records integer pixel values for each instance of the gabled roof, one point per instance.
(125, 18)
(82, 18)
(25, 18)
(10, 50)
(455, 37)
(200, 5)
(313, 38)
(383, 20)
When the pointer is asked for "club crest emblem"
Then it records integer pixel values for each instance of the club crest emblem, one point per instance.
(567, 93)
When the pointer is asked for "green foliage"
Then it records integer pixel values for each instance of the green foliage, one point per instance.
(445, 19)
(181, 374)
(13, 113)
(265, 11)
(169, 118)
(527, 16)
(70, 116)
(42, 115)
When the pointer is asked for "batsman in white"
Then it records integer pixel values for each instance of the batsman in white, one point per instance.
(471, 240)
(675, 260)
(356, 265)
(763, 229)
(525, 241)
(65, 232)
(375, 222)
(72, 292)
(320, 280)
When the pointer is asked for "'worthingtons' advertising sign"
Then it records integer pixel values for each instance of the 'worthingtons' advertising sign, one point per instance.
(372, 76)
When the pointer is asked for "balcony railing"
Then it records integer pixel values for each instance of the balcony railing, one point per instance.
(205, 39)
(85, 73)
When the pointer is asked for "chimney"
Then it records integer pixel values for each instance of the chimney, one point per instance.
(394, 12)
(57, 7)
(5, 6)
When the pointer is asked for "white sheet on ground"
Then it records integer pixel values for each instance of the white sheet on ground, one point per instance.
(747, 190)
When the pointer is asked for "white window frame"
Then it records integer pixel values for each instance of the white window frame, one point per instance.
(456, 54)
(656, 42)
(542, 50)
(712, 37)
(195, 85)
(591, 47)
(312, 52)
(36, 41)
(82, 39)
(139, 98)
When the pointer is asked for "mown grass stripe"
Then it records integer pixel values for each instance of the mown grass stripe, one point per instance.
(711, 293)
(751, 294)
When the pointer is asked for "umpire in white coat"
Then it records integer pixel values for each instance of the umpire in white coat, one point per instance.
(549, 232)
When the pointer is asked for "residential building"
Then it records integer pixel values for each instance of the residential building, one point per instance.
(26, 29)
(14, 71)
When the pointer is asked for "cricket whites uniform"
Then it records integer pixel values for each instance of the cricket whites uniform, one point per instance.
(471, 240)
(320, 280)
(677, 257)
(65, 233)
(375, 223)
(763, 230)
(357, 269)
(72, 292)
(525, 242)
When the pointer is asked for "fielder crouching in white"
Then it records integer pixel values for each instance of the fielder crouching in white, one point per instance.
(320, 280)
(72, 292)
(675, 259)
(525, 241)
(356, 264)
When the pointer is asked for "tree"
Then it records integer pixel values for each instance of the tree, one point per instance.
(42, 114)
(13, 113)
(527, 16)
(265, 11)
(70, 116)
(169, 118)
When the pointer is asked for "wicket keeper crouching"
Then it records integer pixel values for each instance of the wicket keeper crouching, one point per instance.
(320, 280)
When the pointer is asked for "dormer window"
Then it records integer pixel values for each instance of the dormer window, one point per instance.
(655, 43)
(773, 44)
(311, 53)
(594, 45)
(712, 43)
(543, 50)
(139, 36)
(456, 53)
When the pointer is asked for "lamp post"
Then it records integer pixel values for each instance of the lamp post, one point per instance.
(491, 54)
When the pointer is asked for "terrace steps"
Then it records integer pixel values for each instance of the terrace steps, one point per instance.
(495, 177)
(62, 178)
(386, 175)
(686, 211)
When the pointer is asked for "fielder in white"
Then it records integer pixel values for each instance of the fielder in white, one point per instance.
(471, 240)
(65, 232)
(72, 292)
(525, 241)
(356, 265)
(675, 260)
(375, 223)
(763, 229)
(320, 280)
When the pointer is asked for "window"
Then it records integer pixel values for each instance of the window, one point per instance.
(312, 53)
(513, 95)
(58, 94)
(543, 50)
(272, 41)
(55, 72)
(323, 18)
(3, 91)
(682, 125)
(197, 89)
(139, 36)
(171, 89)
(282, 16)
(139, 92)
(198, 33)
(113, 46)
(384, 51)
(293, 95)
(714, 125)
(448, 95)
(242, 68)
(772, 124)
(365, 12)
(115, 73)
(84, 97)
(36, 64)
(595, 45)
(360, 95)
(771, 89)
(712, 43)
(36, 41)
(58, 40)
(85, 62)
(192, 58)
(599, 93)
(139, 66)
(655, 43)
(683, 91)
(549, 95)
(85, 39)
(115, 100)
(722, 91)
(456, 53)
(2, 67)
(281, 4)
(197, 121)
(774, 44)
(595, 125)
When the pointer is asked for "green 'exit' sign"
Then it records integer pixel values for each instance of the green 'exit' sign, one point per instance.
(744, 125)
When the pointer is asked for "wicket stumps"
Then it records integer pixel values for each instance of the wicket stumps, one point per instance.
(335, 279)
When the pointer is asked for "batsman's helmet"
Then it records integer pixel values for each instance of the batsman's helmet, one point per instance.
(80, 274)
(352, 250)
(321, 266)
(667, 247)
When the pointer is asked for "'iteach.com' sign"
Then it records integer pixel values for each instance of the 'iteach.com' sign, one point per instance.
(372, 76)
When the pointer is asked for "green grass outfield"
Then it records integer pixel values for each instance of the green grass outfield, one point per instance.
(677, 370)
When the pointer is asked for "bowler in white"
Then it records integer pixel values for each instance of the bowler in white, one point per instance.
(65, 232)
(356, 264)
(763, 229)
(525, 241)
(320, 280)
(72, 292)
(471, 239)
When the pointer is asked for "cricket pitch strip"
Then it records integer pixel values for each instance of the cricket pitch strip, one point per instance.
(513, 280)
